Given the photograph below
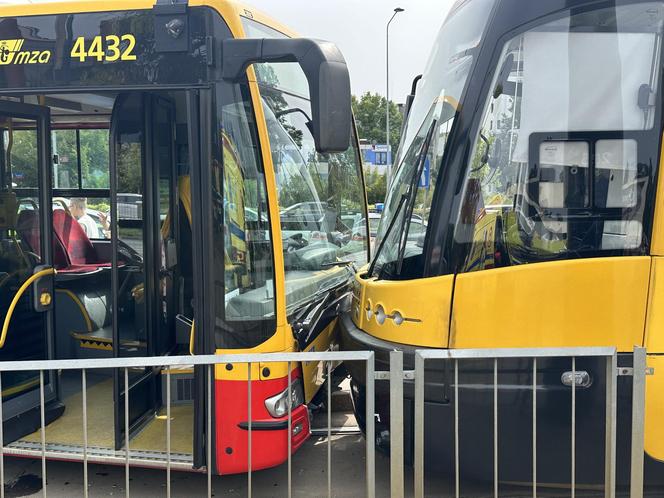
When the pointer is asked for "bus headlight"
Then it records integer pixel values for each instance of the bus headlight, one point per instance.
(277, 405)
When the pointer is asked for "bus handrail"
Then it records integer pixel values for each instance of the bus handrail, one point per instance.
(191, 337)
(17, 297)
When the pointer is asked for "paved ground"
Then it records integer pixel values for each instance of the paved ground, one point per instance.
(309, 478)
(23, 478)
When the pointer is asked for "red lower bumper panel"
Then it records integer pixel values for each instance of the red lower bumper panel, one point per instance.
(269, 443)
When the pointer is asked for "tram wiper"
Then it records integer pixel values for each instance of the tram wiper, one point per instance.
(407, 196)
(411, 193)
(402, 201)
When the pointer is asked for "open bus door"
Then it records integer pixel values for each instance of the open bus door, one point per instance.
(25, 249)
(143, 198)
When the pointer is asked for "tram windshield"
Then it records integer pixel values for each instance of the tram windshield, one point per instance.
(425, 135)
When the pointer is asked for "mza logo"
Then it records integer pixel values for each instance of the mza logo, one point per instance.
(11, 53)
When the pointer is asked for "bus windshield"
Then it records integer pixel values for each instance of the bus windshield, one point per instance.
(321, 201)
(425, 135)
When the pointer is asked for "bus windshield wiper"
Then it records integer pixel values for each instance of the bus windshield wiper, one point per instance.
(347, 262)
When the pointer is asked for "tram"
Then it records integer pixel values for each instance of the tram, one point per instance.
(526, 211)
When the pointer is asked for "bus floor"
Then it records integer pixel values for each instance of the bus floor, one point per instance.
(68, 429)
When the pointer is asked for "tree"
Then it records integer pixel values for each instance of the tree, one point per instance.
(94, 158)
(376, 185)
(369, 112)
(274, 97)
(23, 158)
(129, 168)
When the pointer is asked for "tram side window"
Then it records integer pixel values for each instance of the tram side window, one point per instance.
(566, 154)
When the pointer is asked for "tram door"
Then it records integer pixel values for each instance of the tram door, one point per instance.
(25, 246)
(143, 191)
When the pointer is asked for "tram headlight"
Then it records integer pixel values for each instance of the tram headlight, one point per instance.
(277, 405)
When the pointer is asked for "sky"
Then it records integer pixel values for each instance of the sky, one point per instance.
(358, 28)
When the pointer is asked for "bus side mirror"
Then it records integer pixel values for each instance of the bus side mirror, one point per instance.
(327, 76)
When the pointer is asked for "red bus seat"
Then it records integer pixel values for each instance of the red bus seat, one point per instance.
(81, 254)
(72, 250)
(28, 227)
(74, 239)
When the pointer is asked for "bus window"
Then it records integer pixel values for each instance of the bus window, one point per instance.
(23, 156)
(21, 248)
(65, 159)
(80, 163)
(80, 151)
(562, 160)
(94, 158)
(244, 274)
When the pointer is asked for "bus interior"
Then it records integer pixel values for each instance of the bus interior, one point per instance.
(70, 161)
(109, 152)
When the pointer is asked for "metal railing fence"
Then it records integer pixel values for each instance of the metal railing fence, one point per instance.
(128, 457)
(612, 371)
(396, 376)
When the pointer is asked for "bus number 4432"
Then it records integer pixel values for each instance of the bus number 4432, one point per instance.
(109, 48)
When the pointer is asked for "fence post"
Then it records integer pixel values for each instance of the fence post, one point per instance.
(638, 422)
(610, 417)
(396, 424)
(371, 425)
(419, 426)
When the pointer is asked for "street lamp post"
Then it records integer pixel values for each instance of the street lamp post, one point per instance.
(387, 91)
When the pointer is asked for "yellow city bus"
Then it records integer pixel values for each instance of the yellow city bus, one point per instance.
(175, 178)
(529, 168)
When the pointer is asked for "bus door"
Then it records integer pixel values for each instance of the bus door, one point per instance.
(166, 212)
(142, 197)
(25, 248)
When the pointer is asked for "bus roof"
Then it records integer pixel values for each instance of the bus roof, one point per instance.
(230, 10)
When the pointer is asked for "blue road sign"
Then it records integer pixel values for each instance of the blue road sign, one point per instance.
(425, 179)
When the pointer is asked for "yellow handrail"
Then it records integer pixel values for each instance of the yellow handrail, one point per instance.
(191, 338)
(17, 296)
